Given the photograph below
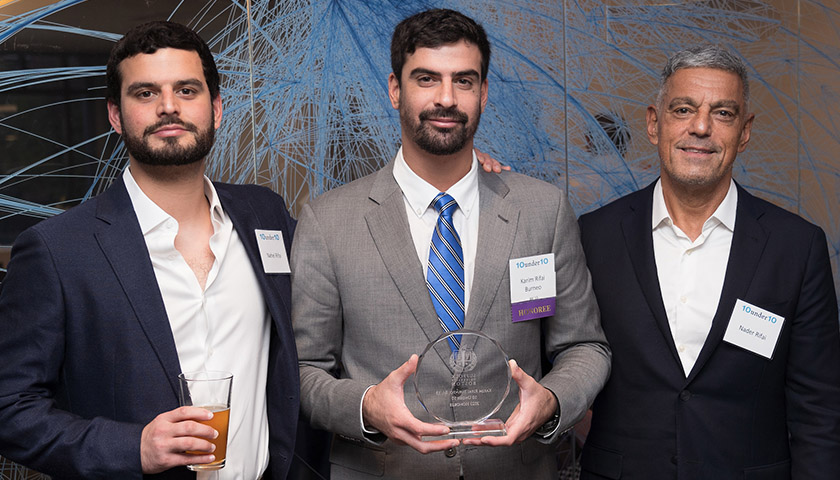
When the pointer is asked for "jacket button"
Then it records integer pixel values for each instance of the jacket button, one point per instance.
(674, 460)
(685, 395)
(449, 452)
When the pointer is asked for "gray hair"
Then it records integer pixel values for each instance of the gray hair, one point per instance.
(705, 56)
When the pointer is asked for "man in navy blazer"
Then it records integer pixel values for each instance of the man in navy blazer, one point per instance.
(719, 307)
(104, 305)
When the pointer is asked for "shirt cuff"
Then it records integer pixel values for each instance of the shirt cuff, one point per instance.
(367, 431)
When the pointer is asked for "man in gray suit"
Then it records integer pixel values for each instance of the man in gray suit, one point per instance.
(363, 301)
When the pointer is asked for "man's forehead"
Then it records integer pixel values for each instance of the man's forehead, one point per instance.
(164, 64)
(454, 55)
(183, 56)
(704, 81)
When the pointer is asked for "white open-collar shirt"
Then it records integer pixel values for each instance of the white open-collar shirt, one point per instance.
(691, 273)
(225, 326)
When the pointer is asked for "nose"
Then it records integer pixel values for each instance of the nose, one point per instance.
(701, 124)
(168, 103)
(445, 94)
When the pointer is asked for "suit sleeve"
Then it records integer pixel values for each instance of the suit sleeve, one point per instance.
(34, 431)
(330, 403)
(574, 340)
(813, 372)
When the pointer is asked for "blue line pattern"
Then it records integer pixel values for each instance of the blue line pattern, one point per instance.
(569, 84)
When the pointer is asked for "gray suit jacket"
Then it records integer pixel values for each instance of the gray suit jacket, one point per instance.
(361, 308)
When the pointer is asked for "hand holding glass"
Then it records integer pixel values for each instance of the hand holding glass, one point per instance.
(209, 390)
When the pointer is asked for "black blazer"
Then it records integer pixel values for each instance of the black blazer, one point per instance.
(738, 415)
(87, 356)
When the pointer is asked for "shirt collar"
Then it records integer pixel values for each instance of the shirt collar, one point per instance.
(150, 215)
(420, 194)
(725, 212)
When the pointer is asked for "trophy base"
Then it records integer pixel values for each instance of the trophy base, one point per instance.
(487, 428)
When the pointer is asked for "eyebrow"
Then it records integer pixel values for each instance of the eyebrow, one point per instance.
(731, 104)
(189, 82)
(682, 101)
(425, 71)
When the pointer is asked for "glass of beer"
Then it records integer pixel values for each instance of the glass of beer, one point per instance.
(209, 390)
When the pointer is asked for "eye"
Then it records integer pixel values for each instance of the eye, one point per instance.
(425, 79)
(464, 82)
(144, 94)
(186, 91)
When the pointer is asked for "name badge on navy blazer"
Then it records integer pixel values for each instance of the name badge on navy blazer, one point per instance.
(273, 251)
(533, 287)
(754, 328)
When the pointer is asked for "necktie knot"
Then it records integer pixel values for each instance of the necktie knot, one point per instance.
(444, 204)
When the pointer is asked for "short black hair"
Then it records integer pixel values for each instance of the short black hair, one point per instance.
(432, 29)
(148, 38)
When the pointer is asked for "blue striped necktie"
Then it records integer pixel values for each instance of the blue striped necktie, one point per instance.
(445, 277)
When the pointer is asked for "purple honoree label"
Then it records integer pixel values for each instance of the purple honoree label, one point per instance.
(542, 307)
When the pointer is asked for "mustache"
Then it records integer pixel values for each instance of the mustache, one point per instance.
(451, 113)
(167, 120)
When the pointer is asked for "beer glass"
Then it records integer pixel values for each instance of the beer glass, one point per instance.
(209, 390)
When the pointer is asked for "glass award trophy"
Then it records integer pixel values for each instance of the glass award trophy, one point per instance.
(465, 392)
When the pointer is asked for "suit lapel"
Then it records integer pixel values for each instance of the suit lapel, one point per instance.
(748, 241)
(497, 224)
(123, 245)
(390, 232)
(638, 236)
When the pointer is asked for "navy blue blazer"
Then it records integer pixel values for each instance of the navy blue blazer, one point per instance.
(738, 415)
(87, 356)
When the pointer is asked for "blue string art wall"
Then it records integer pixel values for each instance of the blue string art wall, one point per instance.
(306, 107)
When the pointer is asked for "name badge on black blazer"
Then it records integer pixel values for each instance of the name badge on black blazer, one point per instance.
(273, 251)
(754, 328)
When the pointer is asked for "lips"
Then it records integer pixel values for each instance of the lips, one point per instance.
(169, 128)
(444, 117)
(443, 122)
(697, 149)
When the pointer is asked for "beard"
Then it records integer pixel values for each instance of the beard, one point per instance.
(440, 141)
(171, 153)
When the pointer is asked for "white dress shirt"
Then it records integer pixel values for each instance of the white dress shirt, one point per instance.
(691, 273)
(422, 217)
(225, 326)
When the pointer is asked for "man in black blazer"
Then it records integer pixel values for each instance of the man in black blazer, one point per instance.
(719, 307)
(104, 305)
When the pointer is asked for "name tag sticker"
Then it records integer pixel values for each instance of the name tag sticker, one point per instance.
(754, 328)
(533, 287)
(273, 251)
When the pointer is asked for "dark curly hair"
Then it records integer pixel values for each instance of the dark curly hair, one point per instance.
(148, 38)
(432, 29)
